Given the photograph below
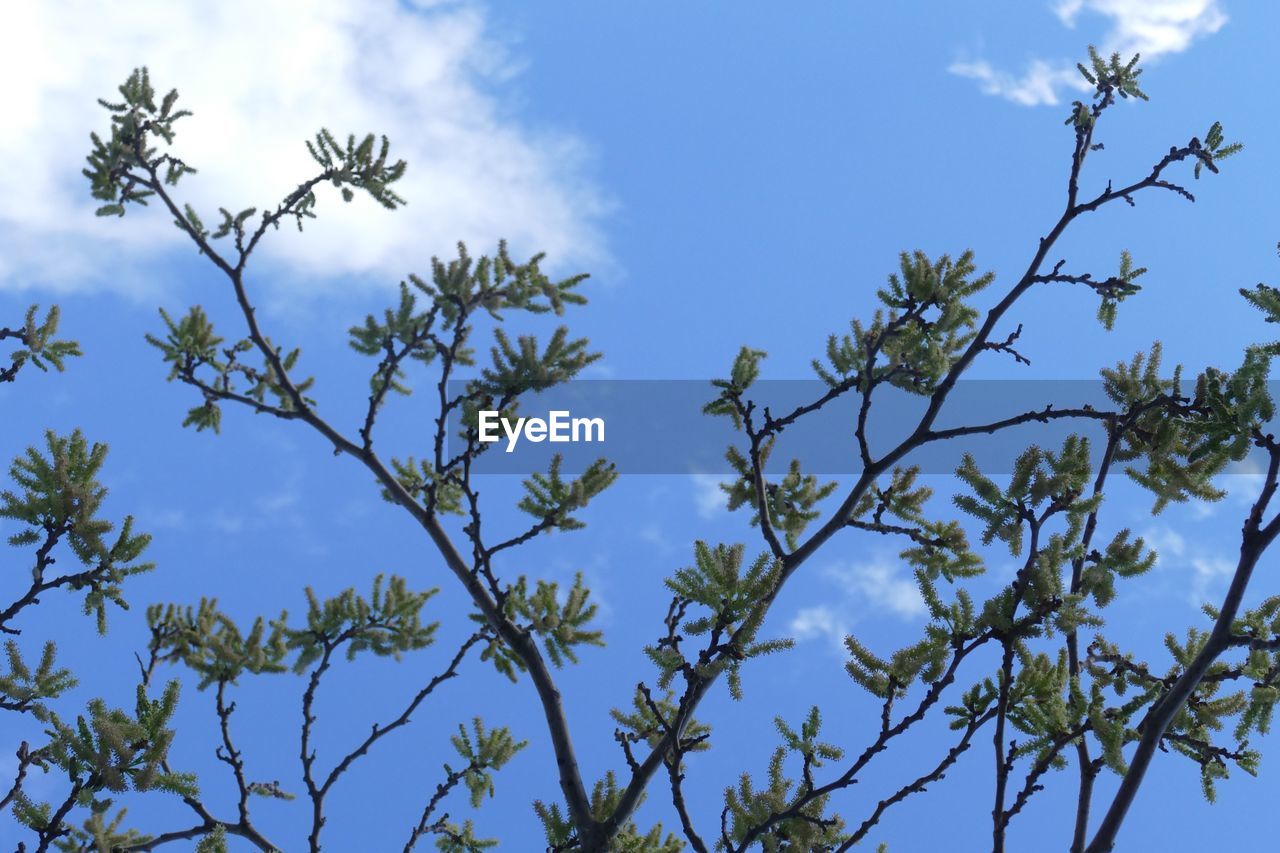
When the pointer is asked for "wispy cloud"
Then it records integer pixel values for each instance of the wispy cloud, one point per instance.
(1149, 27)
(821, 622)
(1152, 28)
(881, 585)
(262, 76)
(1243, 481)
(1208, 570)
(708, 498)
(1039, 84)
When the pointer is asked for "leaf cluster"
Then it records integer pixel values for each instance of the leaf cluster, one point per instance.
(792, 502)
(134, 121)
(482, 751)
(110, 751)
(605, 794)
(1109, 77)
(552, 501)
(39, 347)
(799, 821)
(650, 719)
(25, 689)
(58, 499)
(730, 594)
(191, 344)
(561, 621)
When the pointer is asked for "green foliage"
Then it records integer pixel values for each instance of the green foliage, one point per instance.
(191, 344)
(1121, 558)
(923, 660)
(1116, 289)
(110, 751)
(39, 346)
(210, 643)
(551, 500)
(356, 167)
(1257, 631)
(58, 500)
(124, 169)
(420, 479)
(134, 121)
(742, 375)
(1183, 443)
(717, 583)
(805, 742)
(920, 340)
(214, 842)
(519, 367)
(98, 833)
(442, 492)
(940, 548)
(560, 622)
(806, 825)
(1036, 704)
(1110, 77)
(483, 751)
(557, 828)
(25, 689)
(1182, 447)
(650, 719)
(846, 359)
(442, 329)
(1266, 299)
(1213, 149)
(452, 838)
(231, 223)
(792, 502)
(1207, 711)
(918, 350)
(902, 498)
(503, 658)
(1234, 406)
(403, 329)
(911, 343)
(1039, 478)
(605, 794)
(388, 623)
(497, 284)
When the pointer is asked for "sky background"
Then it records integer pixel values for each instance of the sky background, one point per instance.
(729, 174)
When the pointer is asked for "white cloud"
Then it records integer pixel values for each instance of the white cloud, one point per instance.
(261, 77)
(1152, 28)
(882, 583)
(820, 622)
(653, 535)
(1038, 85)
(1210, 575)
(1149, 27)
(1201, 510)
(1167, 542)
(166, 519)
(230, 523)
(709, 499)
(1243, 480)
(278, 502)
(1209, 570)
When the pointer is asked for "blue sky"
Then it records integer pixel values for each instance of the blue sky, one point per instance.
(730, 174)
